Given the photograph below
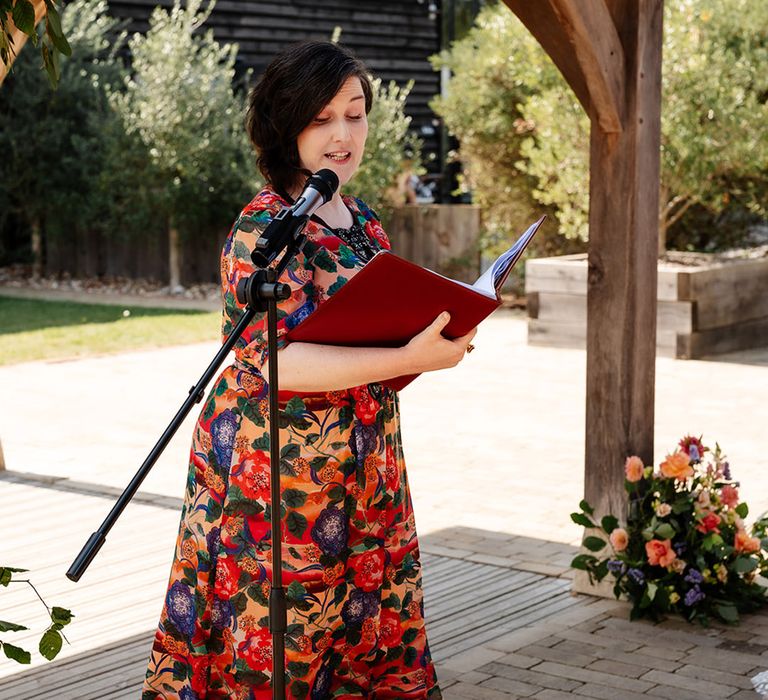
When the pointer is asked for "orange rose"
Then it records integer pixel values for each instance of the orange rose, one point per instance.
(633, 468)
(742, 542)
(677, 466)
(619, 539)
(660, 552)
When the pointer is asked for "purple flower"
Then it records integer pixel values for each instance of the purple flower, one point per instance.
(637, 576)
(694, 596)
(186, 693)
(331, 531)
(693, 453)
(181, 608)
(213, 542)
(221, 613)
(295, 318)
(322, 684)
(726, 471)
(223, 431)
(616, 567)
(694, 576)
(359, 606)
(363, 441)
(679, 548)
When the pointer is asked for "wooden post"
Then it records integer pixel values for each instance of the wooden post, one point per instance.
(623, 248)
(2, 458)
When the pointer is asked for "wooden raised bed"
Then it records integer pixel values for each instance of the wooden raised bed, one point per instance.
(708, 306)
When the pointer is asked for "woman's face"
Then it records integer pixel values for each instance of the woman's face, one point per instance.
(335, 138)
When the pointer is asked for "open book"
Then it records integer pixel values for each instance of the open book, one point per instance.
(392, 299)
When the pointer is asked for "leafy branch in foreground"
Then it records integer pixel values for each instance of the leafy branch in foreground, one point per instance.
(52, 639)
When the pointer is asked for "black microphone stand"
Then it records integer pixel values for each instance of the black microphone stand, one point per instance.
(259, 292)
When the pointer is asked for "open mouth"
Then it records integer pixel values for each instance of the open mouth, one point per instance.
(339, 156)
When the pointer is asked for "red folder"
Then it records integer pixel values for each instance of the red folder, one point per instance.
(391, 300)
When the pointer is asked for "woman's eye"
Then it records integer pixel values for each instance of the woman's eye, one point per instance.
(356, 117)
(321, 120)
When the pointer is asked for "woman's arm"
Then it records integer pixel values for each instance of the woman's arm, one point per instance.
(313, 367)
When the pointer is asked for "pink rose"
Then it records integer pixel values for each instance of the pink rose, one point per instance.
(619, 539)
(660, 552)
(729, 495)
(633, 468)
(709, 523)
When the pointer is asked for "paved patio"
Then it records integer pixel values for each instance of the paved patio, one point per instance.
(495, 456)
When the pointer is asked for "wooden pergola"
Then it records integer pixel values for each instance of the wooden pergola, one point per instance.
(609, 52)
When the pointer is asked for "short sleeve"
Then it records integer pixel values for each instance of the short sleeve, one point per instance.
(236, 264)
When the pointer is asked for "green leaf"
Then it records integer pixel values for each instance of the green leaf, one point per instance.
(742, 510)
(24, 16)
(584, 505)
(744, 564)
(16, 653)
(594, 544)
(300, 689)
(298, 669)
(337, 285)
(295, 407)
(581, 519)
(294, 498)
(58, 40)
(582, 561)
(50, 644)
(665, 531)
(11, 627)
(296, 524)
(61, 616)
(727, 612)
(652, 589)
(609, 523)
(290, 452)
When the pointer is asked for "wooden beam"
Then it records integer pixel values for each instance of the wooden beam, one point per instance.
(622, 276)
(20, 38)
(590, 29)
(581, 39)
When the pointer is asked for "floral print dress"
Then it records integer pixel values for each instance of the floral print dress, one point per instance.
(350, 552)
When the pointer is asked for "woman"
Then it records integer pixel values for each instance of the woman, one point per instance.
(351, 558)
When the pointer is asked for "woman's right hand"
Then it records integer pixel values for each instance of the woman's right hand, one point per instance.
(429, 350)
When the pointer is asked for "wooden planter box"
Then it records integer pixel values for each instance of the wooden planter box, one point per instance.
(703, 309)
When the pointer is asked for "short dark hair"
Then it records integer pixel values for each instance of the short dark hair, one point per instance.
(290, 93)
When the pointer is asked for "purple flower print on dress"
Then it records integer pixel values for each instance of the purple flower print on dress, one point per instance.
(221, 613)
(299, 315)
(181, 608)
(363, 441)
(694, 576)
(223, 431)
(331, 531)
(322, 684)
(679, 548)
(359, 606)
(637, 576)
(695, 595)
(186, 693)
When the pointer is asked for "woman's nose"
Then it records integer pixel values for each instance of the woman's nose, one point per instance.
(341, 131)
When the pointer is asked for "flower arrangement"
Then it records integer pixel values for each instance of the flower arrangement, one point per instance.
(685, 548)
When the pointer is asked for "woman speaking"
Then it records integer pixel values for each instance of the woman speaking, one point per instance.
(351, 557)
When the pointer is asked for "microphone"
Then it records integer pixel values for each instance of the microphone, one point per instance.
(290, 221)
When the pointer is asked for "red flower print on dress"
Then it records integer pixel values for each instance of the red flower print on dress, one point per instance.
(227, 575)
(256, 650)
(369, 570)
(389, 628)
(366, 407)
(251, 476)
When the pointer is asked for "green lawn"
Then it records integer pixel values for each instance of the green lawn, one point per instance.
(46, 330)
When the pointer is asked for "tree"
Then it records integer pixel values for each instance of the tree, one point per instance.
(18, 21)
(179, 109)
(51, 171)
(715, 106)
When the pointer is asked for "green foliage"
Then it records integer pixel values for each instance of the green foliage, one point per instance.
(51, 640)
(183, 139)
(522, 130)
(21, 13)
(52, 144)
(388, 142)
